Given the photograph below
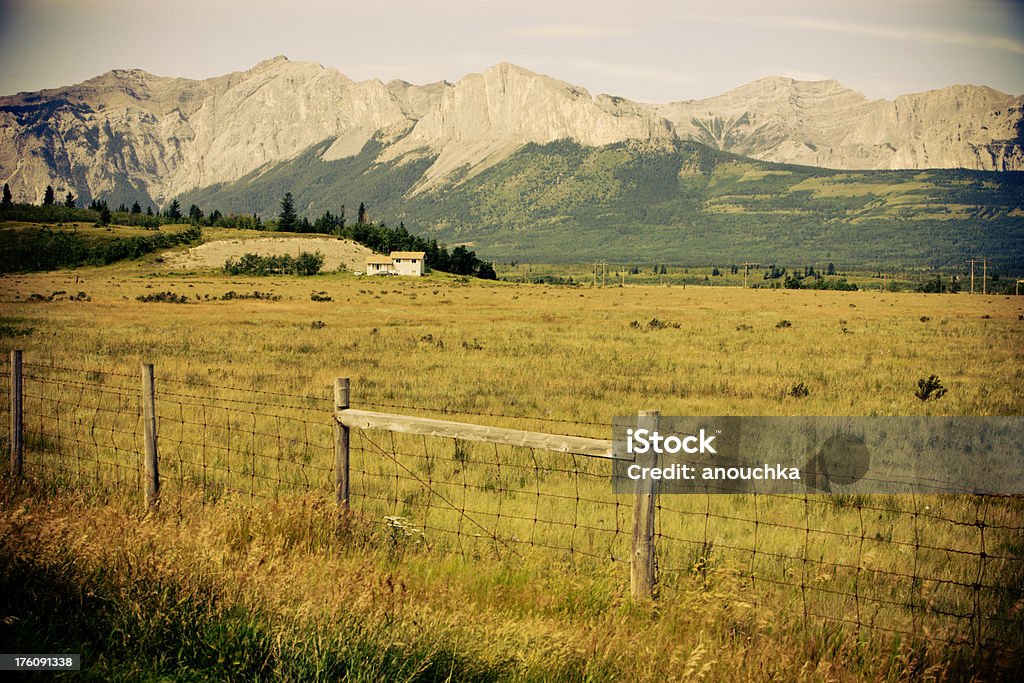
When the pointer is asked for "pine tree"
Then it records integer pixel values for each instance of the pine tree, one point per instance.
(174, 211)
(69, 200)
(136, 208)
(287, 219)
(486, 271)
(8, 200)
(48, 197)
(361, 216)
(104, 214)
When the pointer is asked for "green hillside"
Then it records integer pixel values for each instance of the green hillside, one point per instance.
(688, 204)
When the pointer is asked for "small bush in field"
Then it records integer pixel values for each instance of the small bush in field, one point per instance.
(930, 388)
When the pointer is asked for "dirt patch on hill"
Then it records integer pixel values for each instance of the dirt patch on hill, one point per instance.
(214, 254)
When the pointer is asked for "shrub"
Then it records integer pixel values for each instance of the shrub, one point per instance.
(930, 388)
(799, 390)
(163, 297)
(256, 294)
(10, 331)
(254, 264)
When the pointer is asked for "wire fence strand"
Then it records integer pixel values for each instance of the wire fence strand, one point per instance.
(945, 568)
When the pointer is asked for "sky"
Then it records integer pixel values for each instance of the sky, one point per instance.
(645, 50)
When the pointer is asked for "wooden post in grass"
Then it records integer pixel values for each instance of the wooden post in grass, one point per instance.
(149, 427)
(341, 432)
(17, 417)
(641, 573)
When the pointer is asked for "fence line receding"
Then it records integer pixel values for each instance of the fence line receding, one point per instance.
(927, 567)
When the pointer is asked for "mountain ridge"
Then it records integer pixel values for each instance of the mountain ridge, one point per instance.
(128, 135)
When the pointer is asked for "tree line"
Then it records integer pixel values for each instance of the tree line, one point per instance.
(47, 249)
(376, 236)
(383, 239)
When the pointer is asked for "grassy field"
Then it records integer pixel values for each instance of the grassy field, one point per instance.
(245, 584)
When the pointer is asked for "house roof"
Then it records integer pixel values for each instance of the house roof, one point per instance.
(379, 260)
(407, 254)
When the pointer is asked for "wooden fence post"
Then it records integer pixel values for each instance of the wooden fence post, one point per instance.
(341, 432)
(17, 417)
(149, 426)
(641, 573)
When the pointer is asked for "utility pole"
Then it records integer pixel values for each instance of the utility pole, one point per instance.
(972, 275)
(984, 276)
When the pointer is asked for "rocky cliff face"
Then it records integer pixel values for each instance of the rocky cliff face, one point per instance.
(824, 124)
(485, 117)
(131, 134)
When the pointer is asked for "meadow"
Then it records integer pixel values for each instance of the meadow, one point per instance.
(239, 582)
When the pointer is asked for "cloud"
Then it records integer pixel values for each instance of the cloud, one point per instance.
(567, 31)
(916, 35)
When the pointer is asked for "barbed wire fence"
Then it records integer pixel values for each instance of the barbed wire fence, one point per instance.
(943, 569)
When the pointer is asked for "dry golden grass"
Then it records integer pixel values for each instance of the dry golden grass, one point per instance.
(291, 564)
(543, 351)
(523, 352)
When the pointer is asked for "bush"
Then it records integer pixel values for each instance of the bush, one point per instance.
(256, 294)
(930, 388)
(309, 264)
(10, 331)
(163, 297)
(254, 264)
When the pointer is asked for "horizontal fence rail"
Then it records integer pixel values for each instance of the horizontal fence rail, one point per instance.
(942, 568)
(464, 431)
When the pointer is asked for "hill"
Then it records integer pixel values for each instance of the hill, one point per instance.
(681, 203)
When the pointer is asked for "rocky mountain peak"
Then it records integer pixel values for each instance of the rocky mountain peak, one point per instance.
(162, 136)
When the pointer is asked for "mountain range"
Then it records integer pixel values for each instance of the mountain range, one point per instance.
(446, 155)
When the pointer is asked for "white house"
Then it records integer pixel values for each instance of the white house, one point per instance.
(408, 262)
(397, 263)
(379, 265)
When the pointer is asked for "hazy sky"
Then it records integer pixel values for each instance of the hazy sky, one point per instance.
(646, 50)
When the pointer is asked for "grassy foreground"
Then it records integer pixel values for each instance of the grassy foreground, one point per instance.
(286, 592)
(280, 590)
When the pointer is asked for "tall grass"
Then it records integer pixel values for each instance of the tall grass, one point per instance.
(282, 592)
(259, 573)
